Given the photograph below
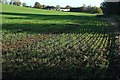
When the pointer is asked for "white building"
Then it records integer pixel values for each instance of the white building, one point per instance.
(64, 9)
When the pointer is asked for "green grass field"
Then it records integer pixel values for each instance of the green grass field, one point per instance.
(51, 44)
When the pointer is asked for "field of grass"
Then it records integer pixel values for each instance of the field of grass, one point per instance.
(51, 44)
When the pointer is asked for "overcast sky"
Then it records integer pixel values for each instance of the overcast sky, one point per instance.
(63, 3)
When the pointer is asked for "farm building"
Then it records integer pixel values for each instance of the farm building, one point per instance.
(75, 10)
(64, 9)
(50, 8)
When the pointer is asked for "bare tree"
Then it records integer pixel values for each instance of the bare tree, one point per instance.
(58, 7)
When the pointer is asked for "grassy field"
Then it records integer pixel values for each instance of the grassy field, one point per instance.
(51, 44)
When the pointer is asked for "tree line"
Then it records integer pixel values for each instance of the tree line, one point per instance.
(105, 7)
(13, 2)
(37, 5)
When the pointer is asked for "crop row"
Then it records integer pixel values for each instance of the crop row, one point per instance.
(63, 51)
(56, 46)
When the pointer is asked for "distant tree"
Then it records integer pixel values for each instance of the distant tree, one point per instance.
(0, 1)
(84, 8)
(24, 4)
(68, 7)
(47, 7)
(37, 5)
(3, 1)
(16, 2)
(10, 3)
(99, 10)
(89, 8)
(53, 7)
(29, 6)
(96, 10)
(43, 6)
(58, 7)
(50, 8)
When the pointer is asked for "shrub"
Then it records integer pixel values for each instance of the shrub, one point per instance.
(96, 10)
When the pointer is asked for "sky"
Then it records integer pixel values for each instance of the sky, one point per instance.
(63, 3)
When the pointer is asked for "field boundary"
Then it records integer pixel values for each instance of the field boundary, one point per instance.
(0, 43)
(116, 59)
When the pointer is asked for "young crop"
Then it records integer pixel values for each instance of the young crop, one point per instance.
(64, 45)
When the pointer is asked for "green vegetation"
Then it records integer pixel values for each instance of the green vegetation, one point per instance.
(49, 44)
(96, 10)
